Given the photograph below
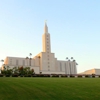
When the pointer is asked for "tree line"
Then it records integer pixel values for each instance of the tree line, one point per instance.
(17, 71)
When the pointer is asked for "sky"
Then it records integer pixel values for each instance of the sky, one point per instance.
(74, 26)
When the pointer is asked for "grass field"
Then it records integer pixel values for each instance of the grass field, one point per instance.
(49, 88)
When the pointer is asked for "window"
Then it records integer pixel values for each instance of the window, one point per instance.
(48, 68)
(47, 38)
(10, 62)
(65, 64)
(60, 66)
(23, 62)
(47, 46)
(65, 67)
(16, 62)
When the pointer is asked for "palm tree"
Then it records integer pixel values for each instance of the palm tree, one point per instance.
(72, 58)
(39, 61)
(8, 67)
(69, 66)
(4, 68)
(30, 54)
(2, 61)
(66, 57)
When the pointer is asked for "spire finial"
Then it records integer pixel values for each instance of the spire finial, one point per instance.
(45, 27)
(45, 21)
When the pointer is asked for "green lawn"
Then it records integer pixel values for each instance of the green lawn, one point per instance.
(49, 88)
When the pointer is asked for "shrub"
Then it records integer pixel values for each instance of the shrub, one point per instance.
(63, 75)
(55, 75)
(15, 75)
(79, 75)
(34, 75)
(87, 76)
(46, 75)
(7, 75)
(21, 75)
(72, 76)
(29, 75)
(25, 75)
(93, 76)
(40, 75)
(1, 75)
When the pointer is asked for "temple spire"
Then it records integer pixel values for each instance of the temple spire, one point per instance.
(45, 27)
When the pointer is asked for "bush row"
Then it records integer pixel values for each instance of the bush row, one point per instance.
(45, 75)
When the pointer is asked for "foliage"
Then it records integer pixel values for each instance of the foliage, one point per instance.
(6, 71)
(21, 71)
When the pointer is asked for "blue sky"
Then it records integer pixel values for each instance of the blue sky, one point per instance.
(74, 26)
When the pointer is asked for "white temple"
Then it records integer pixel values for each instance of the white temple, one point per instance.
(44, 62)
(95, 71)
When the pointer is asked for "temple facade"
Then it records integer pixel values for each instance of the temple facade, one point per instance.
(44, 62)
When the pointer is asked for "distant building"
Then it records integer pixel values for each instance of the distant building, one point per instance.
(44, 62)
(91, 71)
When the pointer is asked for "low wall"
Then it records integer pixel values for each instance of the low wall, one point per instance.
(53, 72)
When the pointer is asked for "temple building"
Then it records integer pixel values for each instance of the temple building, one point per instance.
(45, 61)
(95, 71)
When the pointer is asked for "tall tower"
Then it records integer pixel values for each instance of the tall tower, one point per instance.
(46, 40)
